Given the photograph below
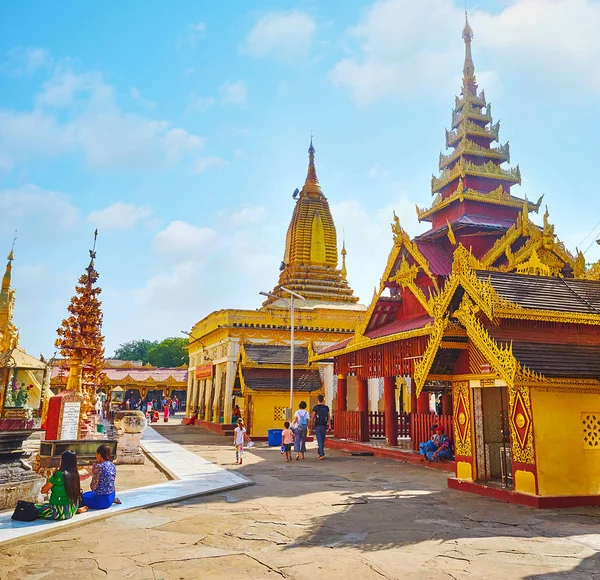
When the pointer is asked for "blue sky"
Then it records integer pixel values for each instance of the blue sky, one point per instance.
(180, 130)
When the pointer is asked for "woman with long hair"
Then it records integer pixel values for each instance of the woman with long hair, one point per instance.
(103, 493)
(64, 487)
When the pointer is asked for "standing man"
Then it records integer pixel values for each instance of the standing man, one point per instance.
(320, 424)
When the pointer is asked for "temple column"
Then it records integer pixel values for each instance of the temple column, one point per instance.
(208, 399)
(228, 399)
(391, 413)
(342, 393)
(200, 404)
(328, 379)
(363, 406)
(189, 409)
(216, 403)
(423, 403)
(446, 404)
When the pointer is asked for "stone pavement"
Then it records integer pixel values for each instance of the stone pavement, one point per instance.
(192, 476)
(346, 517)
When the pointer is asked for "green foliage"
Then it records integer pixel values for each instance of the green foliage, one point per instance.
(170, 352)
(135, 350)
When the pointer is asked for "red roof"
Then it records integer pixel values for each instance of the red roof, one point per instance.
(337, 346)
(399, 326)
(439, 263)
(137, 374)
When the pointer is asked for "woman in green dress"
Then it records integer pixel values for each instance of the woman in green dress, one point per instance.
(64, 487)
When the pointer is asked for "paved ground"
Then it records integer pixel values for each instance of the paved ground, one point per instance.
(361, 518)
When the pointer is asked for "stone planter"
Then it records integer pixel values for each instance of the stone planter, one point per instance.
(130, 425)
(138, 418)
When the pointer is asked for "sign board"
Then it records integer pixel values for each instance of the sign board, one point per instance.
(204, 371)
(62, 421)
(485, 368)
(69, 428)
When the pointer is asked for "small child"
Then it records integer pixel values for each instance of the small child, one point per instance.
(287, 440)
(239, 436)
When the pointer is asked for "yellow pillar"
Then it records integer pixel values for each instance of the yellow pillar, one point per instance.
(190, 394)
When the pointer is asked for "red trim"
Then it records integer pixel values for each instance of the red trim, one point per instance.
(387, 453)
(534, 501)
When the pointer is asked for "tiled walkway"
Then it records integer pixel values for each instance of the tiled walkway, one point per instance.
(193, 476)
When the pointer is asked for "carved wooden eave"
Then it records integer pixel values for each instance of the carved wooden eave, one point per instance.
(496, 197)
(365, 342)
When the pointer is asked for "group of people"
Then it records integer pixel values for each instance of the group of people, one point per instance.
(294, 434)
(64, 486)
(437, 447)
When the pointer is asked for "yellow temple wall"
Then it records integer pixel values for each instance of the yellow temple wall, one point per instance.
(263, 410)
(566, 465)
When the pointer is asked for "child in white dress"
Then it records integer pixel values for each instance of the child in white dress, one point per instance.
(239, 436)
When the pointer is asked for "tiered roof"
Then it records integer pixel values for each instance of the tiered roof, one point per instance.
(472, 171)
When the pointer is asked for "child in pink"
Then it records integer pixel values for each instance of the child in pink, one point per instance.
(287, 440)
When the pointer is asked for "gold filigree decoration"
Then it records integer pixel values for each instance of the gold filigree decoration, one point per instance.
(423, 366)
(451, 235)
(534, 266)
(462, 418)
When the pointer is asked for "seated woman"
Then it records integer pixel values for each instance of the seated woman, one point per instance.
(64, 487)
(443, 450)
(103, 493)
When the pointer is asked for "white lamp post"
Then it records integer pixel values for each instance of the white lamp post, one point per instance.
(292, 296)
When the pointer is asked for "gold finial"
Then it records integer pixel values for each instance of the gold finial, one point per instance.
(344, 252)
(451, 236)
(311, 185)
(469, 82)
(8, 272)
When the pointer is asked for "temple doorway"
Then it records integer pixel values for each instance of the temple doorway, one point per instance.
(492, 439)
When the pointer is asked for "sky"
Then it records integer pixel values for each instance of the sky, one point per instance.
(180, 130)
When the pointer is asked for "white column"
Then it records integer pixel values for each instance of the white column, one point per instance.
(189, 408)
(373, 394)
(328, 379)
(215, 403)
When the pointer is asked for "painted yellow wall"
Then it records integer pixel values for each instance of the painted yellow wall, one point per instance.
(264, 409)
(565, 466)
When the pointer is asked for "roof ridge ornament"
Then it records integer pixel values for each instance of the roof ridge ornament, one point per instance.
(469, 81)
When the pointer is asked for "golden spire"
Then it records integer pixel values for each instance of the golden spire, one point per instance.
(469, 82)
(8, 273)
(344, 252)
(311, 185)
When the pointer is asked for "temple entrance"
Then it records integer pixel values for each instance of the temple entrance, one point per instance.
(492, 440)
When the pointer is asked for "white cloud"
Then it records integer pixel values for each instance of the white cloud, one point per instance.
(369, 238)
(202, 164)
(408, 48)
(234, 93)
(194, 32)
(119, 216)
(286, 36)
(247, 215)
(137, 97)
(200, 104)
(95, 126)
(179, 240)
(23, 60)
(33, 209)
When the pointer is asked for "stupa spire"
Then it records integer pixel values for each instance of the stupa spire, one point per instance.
(469, 81)
(344, 252)
(8, 272)
(311, 185)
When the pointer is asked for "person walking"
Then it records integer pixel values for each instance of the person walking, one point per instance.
(320, 424)
(301, 420)
(287, 440)
(239, 436)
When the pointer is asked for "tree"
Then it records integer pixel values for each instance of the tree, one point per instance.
(83, 327)
(135, 350)
(171, 352)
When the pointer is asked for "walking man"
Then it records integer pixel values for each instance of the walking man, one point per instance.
(320, 424)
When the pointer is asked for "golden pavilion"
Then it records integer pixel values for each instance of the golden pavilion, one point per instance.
(242, 357)
(493, 313)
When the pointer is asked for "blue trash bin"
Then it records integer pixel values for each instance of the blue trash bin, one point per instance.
(274, 437)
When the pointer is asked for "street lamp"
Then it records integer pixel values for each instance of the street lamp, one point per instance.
(292, 296)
